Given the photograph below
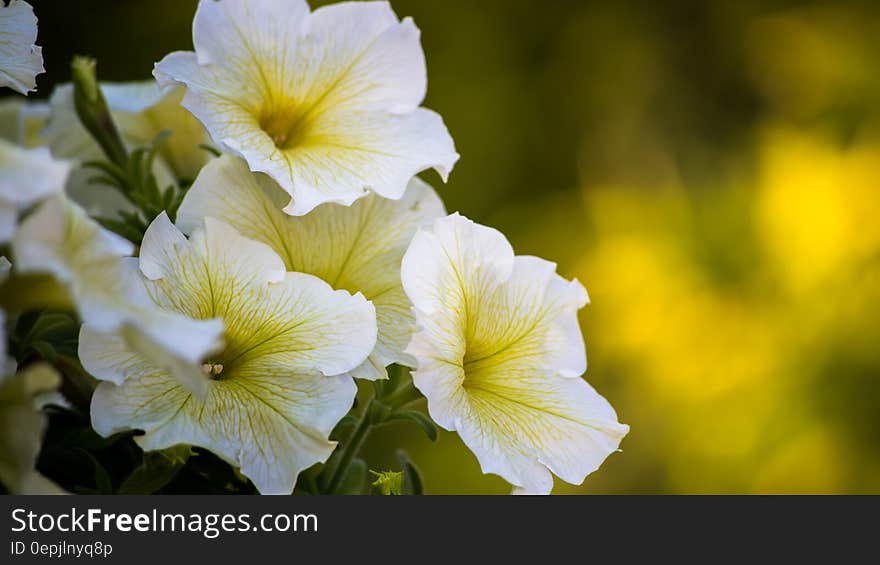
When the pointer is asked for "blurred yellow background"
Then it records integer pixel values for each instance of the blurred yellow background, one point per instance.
(709, 170)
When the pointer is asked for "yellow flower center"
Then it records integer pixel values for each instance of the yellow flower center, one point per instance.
(213, 370)
(285, 124)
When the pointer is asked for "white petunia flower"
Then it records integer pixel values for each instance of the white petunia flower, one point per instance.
(500, 356)
(356, 248)
(26, 176)
(272, 398)
(326, 103)
(21, 429)
(59, 239)
(20, 59)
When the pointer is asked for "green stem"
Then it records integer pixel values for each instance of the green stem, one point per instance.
(352, 446)
(78, 385)
(402, 396)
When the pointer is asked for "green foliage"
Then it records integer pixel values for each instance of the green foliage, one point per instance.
(355, 478)
(412, 477)
(137, 182)
(132, 175)
(423, 421)
(44, 334)
(157, 469)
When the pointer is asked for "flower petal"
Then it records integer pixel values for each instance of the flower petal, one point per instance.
(500, 352)
(293, 319)
(271, 402)
(272, 426)
(20, 59)
(365, 151)
(368, 59)
(326, 104)
(26, 176)
(60, 239)
(8, 220)
(357, 248)
(216, 253)
(21, 429)
(21, 121)
(233, 32)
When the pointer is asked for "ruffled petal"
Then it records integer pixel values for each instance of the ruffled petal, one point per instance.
(357, 248)
(21, 60)
(324, 103)
(500, 353)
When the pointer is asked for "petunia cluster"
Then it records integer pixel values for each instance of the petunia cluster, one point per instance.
(244, 238)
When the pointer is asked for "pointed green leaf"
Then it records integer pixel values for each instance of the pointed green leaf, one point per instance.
(412, 478)
(423, 421)
(103, 484)
(355, 478)
(157, 470)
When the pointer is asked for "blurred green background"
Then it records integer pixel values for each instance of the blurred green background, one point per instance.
(709, 170)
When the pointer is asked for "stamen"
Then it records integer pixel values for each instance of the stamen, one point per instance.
(213, 370)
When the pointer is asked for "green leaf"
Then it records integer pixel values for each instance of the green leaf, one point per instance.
(113, 175)
(88, 438)
(103, 484)
(412, 478)
(355, 478)
(423, 421)
(157, 470)
(45, 350)
(348, 421)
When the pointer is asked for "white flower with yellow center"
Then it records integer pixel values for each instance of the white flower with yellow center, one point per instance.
(59, 239)
(500, 356)
(356, 248)
(20, 59)
(26, 176)
(326, 103)
(273, 392)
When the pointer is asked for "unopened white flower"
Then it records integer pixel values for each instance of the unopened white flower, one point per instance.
(59, 239)
(140, 111)
(356, 248)
(326, 103)
(26, 176)
(20, 59)
(273, 391)
(21, 429)
(500, 356)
